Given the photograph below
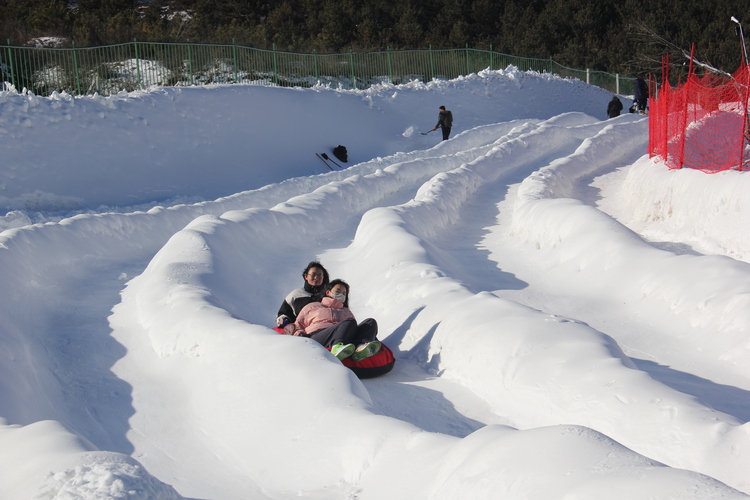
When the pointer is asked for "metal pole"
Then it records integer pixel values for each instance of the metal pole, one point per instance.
(746, 132)
(351, 66)
(275, 72)
(746, 126)
(234, 56)
(742, 38)
(190, 62)
(432, 66)
(12, 72)
(75, 64)
(684, 105)
(137, 63)
(468, 70)
(315, 63)
(390, 66)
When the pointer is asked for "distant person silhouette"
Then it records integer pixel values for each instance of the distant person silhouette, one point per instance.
(614, 107)
(641, 94)
(445, 122)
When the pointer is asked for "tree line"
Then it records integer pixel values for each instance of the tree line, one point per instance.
(606, 35)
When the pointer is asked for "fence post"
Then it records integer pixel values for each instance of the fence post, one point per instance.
(617, 83)
(315, 65)
(351, 66)
(588, 76)
(275, 71)
(390, 67)
(746, 126)
(12, 71)
(190, 62)
(468, 70)
(491, 54)
(662, 116)
(137, 64)
(75, 65)
(432, 65)
(234, 56)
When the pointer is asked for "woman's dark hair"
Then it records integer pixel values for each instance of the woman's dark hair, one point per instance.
(335, 282)
(317, 264)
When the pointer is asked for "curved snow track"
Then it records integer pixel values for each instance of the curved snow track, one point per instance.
(526, 310)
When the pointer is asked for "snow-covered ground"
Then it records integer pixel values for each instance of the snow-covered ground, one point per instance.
(570, 319)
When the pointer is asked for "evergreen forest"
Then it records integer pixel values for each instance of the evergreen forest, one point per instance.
(622, 36)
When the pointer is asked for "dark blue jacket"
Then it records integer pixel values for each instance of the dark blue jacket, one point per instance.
(641, 89)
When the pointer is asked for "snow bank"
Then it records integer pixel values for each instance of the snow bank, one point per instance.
(81, 472)
(497, 348)
(167, 142)
(705, 211)
(145, 333)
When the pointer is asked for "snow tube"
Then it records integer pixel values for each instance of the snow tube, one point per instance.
(376, 365)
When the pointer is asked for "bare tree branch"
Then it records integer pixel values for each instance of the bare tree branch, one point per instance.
(649, 36)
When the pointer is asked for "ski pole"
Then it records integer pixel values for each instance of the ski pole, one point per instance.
(331, 160)
(321, 159)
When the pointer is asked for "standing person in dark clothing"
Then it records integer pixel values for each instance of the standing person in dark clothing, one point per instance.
(445, 122)
(641, 94)
(316, 278)
(614, 107)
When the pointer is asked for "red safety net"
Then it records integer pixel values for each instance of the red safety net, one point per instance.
(702, 123)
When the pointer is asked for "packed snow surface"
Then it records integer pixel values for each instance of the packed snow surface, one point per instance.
(570, 318)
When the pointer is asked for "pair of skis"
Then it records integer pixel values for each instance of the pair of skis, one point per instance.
(323, 157)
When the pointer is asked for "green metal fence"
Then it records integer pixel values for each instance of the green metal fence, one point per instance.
(138, 65)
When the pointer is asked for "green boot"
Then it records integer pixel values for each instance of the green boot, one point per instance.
(342, 350)
(366, 350)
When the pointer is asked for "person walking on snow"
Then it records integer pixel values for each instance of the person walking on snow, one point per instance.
(641, 94)
(614, 107)
(445, 122)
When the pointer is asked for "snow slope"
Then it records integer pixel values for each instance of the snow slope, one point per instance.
(569, 318)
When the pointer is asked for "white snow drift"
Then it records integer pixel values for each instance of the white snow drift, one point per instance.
(570, 318)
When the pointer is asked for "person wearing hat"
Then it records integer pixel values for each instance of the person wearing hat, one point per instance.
(614, 107)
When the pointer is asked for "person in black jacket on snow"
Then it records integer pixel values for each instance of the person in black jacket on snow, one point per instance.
(445, 122)
(316, 278)
(641, 94)
(614, 107)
